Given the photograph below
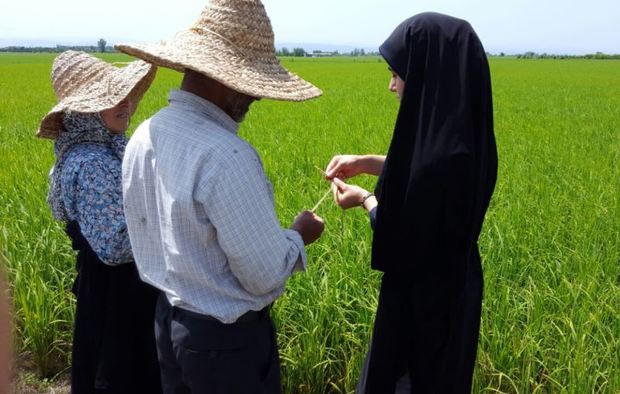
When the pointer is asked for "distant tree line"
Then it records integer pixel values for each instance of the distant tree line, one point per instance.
(100, 47)
(534, 55)
(300, 52)
(57, 49)
(295, 52)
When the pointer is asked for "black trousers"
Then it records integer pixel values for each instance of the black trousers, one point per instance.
(198, 354)
(113, 340)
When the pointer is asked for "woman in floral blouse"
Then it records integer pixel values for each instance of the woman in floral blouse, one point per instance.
(113, 343)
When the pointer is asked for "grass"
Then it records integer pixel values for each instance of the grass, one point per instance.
(550, 245)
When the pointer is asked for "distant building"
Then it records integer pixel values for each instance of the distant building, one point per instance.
(321, 54)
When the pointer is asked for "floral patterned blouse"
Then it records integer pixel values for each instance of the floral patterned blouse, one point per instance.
(92, 195)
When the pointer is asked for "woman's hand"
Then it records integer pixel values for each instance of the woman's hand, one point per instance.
(348, 166)
(344, 167)
(347, 196)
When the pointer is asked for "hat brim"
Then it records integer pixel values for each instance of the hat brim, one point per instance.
(210, 56)
(130, 82)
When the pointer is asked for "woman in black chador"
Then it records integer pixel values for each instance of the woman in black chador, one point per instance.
(433, 191)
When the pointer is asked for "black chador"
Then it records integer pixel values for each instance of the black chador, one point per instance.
(433, 193)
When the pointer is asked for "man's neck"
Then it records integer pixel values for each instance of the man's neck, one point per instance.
(204, 87)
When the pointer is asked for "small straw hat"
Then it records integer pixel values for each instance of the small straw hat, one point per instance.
(233, 43)
(86, 84)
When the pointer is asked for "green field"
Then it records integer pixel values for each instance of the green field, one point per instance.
(550, 244)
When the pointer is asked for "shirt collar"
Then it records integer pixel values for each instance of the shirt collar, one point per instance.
(194, 103)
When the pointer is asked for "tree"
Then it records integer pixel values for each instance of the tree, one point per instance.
(285, 51)
(300, 52)
(101, 44)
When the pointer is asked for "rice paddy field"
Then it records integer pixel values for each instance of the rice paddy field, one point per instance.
(550, 243)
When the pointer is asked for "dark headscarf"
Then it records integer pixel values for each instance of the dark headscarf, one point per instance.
(441, 167)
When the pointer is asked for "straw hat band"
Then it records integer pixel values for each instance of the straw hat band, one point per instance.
(244, 52)
(237, 60)
(203, 31)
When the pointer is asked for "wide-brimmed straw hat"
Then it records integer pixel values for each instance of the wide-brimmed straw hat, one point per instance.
(233, 43)
(86, 84)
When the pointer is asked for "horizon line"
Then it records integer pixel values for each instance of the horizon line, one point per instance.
(307, 46)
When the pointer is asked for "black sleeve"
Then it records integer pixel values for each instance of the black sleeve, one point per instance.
(372, 214)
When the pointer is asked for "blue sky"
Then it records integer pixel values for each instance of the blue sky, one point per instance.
(511, 26)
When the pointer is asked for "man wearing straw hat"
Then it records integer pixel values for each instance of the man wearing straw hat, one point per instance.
(200, 209)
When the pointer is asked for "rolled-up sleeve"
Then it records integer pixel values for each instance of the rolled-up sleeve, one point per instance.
(239, 203)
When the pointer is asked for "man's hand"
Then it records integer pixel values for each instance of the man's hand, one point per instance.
(309, 226)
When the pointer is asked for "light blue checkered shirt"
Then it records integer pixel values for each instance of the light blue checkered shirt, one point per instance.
(200, 213)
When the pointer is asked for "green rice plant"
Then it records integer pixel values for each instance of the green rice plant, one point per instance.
(550, 244)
